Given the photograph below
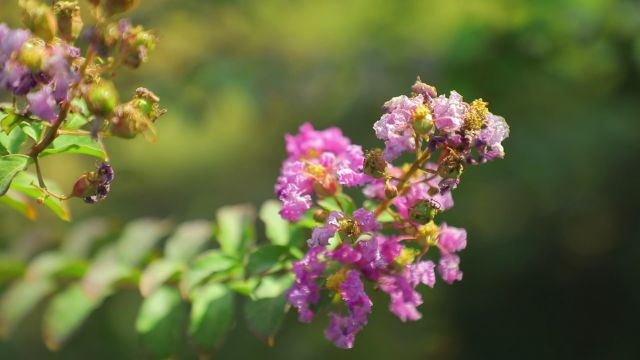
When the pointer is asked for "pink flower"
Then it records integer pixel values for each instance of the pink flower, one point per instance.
(448, 113)
(449, 268)
(395, 127)
(452, 239)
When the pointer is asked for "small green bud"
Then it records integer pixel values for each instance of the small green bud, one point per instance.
(39, 18)
(349, 227)
(424, 211)
(69, 19)
(374, 163)
(102, 98)
(423, 125)
(390, 191)
(33, 54)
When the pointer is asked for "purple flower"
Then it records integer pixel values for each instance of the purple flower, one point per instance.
(353, 294)
(16, 77)
(452, 239)
(395, 127)
(43, 104)
(342, 330)
(11, 41)
(449, 268)
(491, 137)
(404, 299)
(320, 235)
(421, 272)
(345, 254)
(366, 220)
(448, 113)
(318, 162)
(305, 290)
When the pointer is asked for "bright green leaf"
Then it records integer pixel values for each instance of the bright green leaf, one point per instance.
(19, 203)
(276, 227)
(265, 258)
(20, 299)
(75, 121)
(24, 183)
(75, 144)
(339, 202)
(65, 314)
(188, 240)
(264, 317)
(138, 238)
(235, 229)
(160, 321)
(10, 166)
(211, 315)
(157, 273)
(204, 266)
(273, 286)
(15, 140)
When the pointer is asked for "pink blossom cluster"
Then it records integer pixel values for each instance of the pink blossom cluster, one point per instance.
(385, 243)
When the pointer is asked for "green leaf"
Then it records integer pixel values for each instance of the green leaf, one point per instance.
(20, 299)
(207, 264)
(160, 321)
(188, 240)
(266, 258)
(46, 264)
(10, 166)
(104, 273)
(75, 144)
(15, 140)
(339, 202)
(8, 121)
(273, 286)
(138, 238)
(276, 228)
(83, 236)
(10, 268)
(157, 273)
(235, 229)
(20, 204)
(211, 315)
(24, 183)
(75, 121)
(265, 316)
(65, 314)
(32, 129)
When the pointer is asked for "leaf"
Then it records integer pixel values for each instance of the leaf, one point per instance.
(276, 228)
(10, 166)
(160, 321)
(20, 299)
(273, 286)
(265, 258)
(82, 237)
(265, 316)
(235, 229)
(138, 238)
(339, 202)
(75, 121)
(204, 266)
(15, 140)
(211, 315)
(24, 183)
(10, 268)
(75, 144)
(188, 240)
(157, 273)
(101, 277)
(45, 265)
(20, 204)
(32, 129)
(65, 314)
(8, 121)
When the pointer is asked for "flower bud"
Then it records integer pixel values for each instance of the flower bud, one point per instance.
(320, 215)
(114, 7)
(451, 167)
(349, 227)
(69, 19)
(374, 163)
(94, 185)
(39, 18)
(390, 191)
(33, 54)
(423, 125)
(84, 187)
(424, 211)
(101, 97)
(420, 88)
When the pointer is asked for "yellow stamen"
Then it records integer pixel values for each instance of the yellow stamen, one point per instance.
(474, 118)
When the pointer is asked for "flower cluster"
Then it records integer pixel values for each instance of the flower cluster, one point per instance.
(58, 90)
(386, 242)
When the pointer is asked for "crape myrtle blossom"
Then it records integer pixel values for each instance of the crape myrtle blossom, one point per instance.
(318, 162)
(386, 243)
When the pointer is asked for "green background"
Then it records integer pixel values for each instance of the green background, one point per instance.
(552, 265)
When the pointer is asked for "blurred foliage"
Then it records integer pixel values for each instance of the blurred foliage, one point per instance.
(551, 265)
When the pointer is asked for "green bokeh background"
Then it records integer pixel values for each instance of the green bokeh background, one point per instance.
(552, 265)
